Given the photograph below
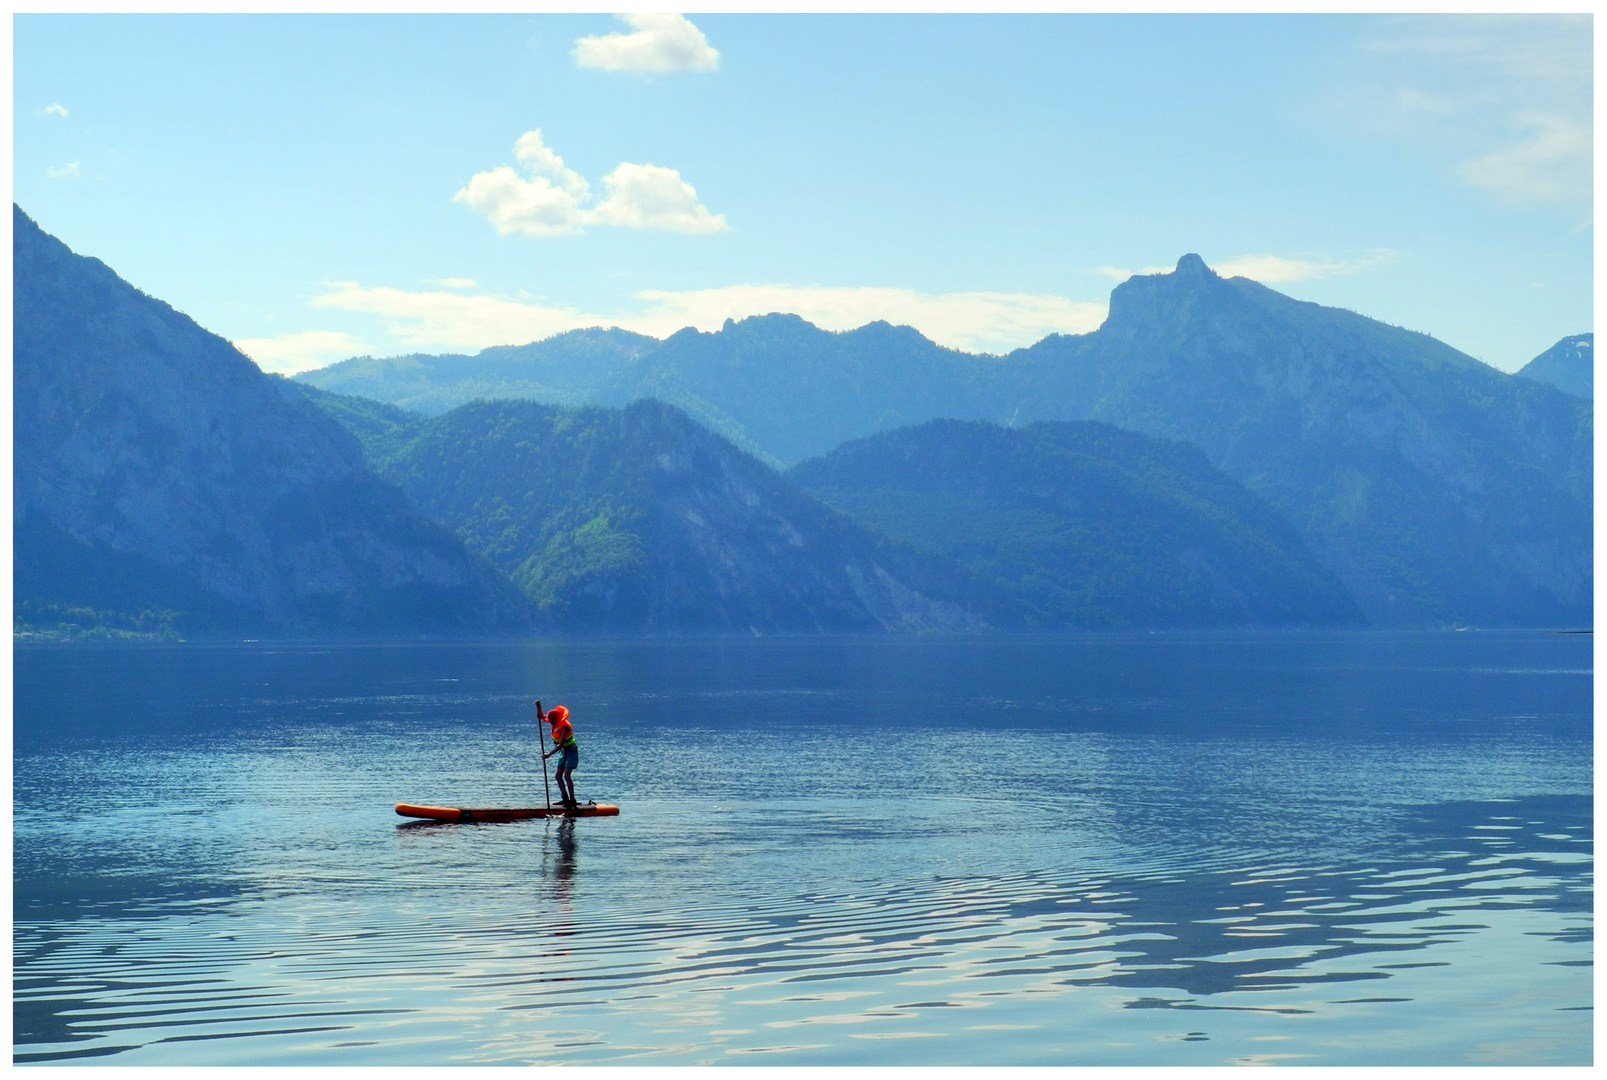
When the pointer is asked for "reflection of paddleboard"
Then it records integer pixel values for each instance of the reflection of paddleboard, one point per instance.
(452, 813)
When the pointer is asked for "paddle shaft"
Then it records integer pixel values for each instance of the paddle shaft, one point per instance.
(545, 784)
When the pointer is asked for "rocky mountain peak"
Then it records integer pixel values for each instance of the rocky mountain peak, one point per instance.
(1145, 303)
(1192, 266)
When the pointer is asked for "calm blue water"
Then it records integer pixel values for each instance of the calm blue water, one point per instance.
(1314, 849)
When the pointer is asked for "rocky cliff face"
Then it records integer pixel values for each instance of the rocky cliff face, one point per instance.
(1441, 490)
(1569, 365)
(157, 467)
(641, 520)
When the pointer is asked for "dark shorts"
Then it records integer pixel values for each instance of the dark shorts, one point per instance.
(568, 759)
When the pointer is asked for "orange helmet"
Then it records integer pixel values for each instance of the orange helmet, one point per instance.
(557, 713)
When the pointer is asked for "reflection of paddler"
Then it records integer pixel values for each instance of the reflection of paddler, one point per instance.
(563, 867)
(563, 744)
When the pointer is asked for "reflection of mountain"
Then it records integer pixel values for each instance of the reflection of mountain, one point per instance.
(1257, 928)
(1439, 489)
(156, 467)
(1085, 524)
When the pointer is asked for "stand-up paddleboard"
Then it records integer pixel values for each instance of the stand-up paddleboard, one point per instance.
(455, 813)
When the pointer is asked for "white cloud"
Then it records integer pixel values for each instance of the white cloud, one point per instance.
(289, 353)
(1552, 165)
(651, 197)
(457, 282)
(1275, 268)
(541, 162)
(63, 172)
(447, 320)
(1119, 274)
(973, 321)
(661, 42)
(1270, 268)
(553, 200)
(547, 204)
(55, 108)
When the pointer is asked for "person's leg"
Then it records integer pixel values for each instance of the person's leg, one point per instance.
(566, 790)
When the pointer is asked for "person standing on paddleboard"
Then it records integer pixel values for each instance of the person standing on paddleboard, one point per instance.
(563, 744)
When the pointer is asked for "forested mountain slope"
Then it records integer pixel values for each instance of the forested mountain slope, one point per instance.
(575, 368)
(641, 520)
(1441, 490)
(1569, 365)
(156, 468)
(1086, 524)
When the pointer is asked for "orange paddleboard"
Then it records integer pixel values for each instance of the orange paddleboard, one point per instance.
(454, 813)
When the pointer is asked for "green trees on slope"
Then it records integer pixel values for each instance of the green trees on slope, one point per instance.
(1085, 524)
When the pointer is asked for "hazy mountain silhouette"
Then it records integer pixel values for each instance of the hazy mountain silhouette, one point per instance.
(155, 467)
(1084, 523)
(574, 368)
(1442, 491)
(777, 386)
(1569, 365)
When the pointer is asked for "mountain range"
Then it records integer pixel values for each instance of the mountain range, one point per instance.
(641, 520)
(1440, 490)
(1216, 454)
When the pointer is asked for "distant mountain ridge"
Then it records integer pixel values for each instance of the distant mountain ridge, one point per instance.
(156, 469)
(1569, 365)
(567, 369)
(755, 381)
(1442, 491)
(1085, 524)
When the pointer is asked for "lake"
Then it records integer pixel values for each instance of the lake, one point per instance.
(1125, 849)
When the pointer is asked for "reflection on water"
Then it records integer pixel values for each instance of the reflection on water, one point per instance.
(1196, 862)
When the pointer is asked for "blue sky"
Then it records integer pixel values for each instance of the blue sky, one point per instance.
(314, 187)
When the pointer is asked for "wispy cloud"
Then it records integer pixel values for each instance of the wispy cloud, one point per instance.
(973, 321)
(1270, 268)
(554, 200)
(63, 172)
(659, 42)
(457, 282)
(55, 108)
(289, 353)
(1277, 268)
(1118, 273)
(452, 320)
(1507, 98)
(1551, 164)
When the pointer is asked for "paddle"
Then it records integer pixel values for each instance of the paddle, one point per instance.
(545, 785)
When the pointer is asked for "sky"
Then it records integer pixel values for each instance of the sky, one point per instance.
(314, 187)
